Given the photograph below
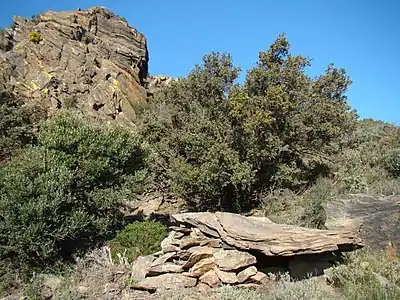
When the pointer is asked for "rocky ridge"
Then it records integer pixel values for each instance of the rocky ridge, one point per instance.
(90, 59)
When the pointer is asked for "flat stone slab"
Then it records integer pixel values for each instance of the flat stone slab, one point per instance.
(262, 235)
(165, 281)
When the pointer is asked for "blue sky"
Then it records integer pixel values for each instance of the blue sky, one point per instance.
(360, 35)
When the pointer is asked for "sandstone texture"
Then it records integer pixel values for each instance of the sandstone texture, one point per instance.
(262, 235)
(90, 59)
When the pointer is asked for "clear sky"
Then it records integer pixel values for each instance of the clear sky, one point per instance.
(363, 36)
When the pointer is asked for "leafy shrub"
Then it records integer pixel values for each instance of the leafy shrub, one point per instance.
(354, 184)
(220, 144)
(139, 238)
(35, 37)
(16, 124)
(301, 209)
(65, 194)
(368, 275)
(392, 162)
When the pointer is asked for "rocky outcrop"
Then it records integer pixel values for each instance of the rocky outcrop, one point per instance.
(375, 219)
(210, 250)
(154, 83)
(91, 59)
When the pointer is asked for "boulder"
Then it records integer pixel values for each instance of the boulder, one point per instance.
(262, 235)
(231, 260)
(165, 281)
(375, 219)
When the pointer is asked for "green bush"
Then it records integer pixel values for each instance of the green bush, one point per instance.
(392, 162)
(219, 144)
(139, 238)
(35, 37)
(368, 275)
(65, 194)
(16, 124)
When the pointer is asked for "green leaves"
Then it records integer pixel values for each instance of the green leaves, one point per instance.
(66, 193)
(219, 144)
(139, 238)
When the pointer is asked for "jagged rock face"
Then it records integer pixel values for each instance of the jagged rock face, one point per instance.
(90, 59)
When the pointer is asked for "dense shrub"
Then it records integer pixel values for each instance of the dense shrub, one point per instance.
(16, 124)
(64, 194)
(219, 144)
(392, 162)
(139, 238)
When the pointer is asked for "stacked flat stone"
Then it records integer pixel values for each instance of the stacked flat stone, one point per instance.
(189, 258)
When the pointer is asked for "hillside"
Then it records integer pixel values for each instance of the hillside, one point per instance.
(118, 185)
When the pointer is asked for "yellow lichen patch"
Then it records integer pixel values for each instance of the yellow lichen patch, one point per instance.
(115, 84)
(46, 91)
(34, 86)
(48, 75)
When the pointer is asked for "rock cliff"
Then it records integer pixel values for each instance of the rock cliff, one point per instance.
(90, 59)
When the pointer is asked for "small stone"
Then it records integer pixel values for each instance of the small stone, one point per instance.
(214, 243)
(246, 274)
(141, 266)
(163, 259)
(188, 274)
(203, 288)
(189, 242)
(166, 244)
(197, 255)
(259, 278)
(181, 229)
(210, 278)
(184, 254)
(231, 260)
(179, 235)
(166, 281)
(164, 268)
(203, 266)
(226, 277)
(82, 289)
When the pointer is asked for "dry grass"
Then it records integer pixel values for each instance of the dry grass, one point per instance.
(369, 275)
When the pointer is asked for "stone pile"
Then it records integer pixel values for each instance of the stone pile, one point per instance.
(209, 250)
(188, 257)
